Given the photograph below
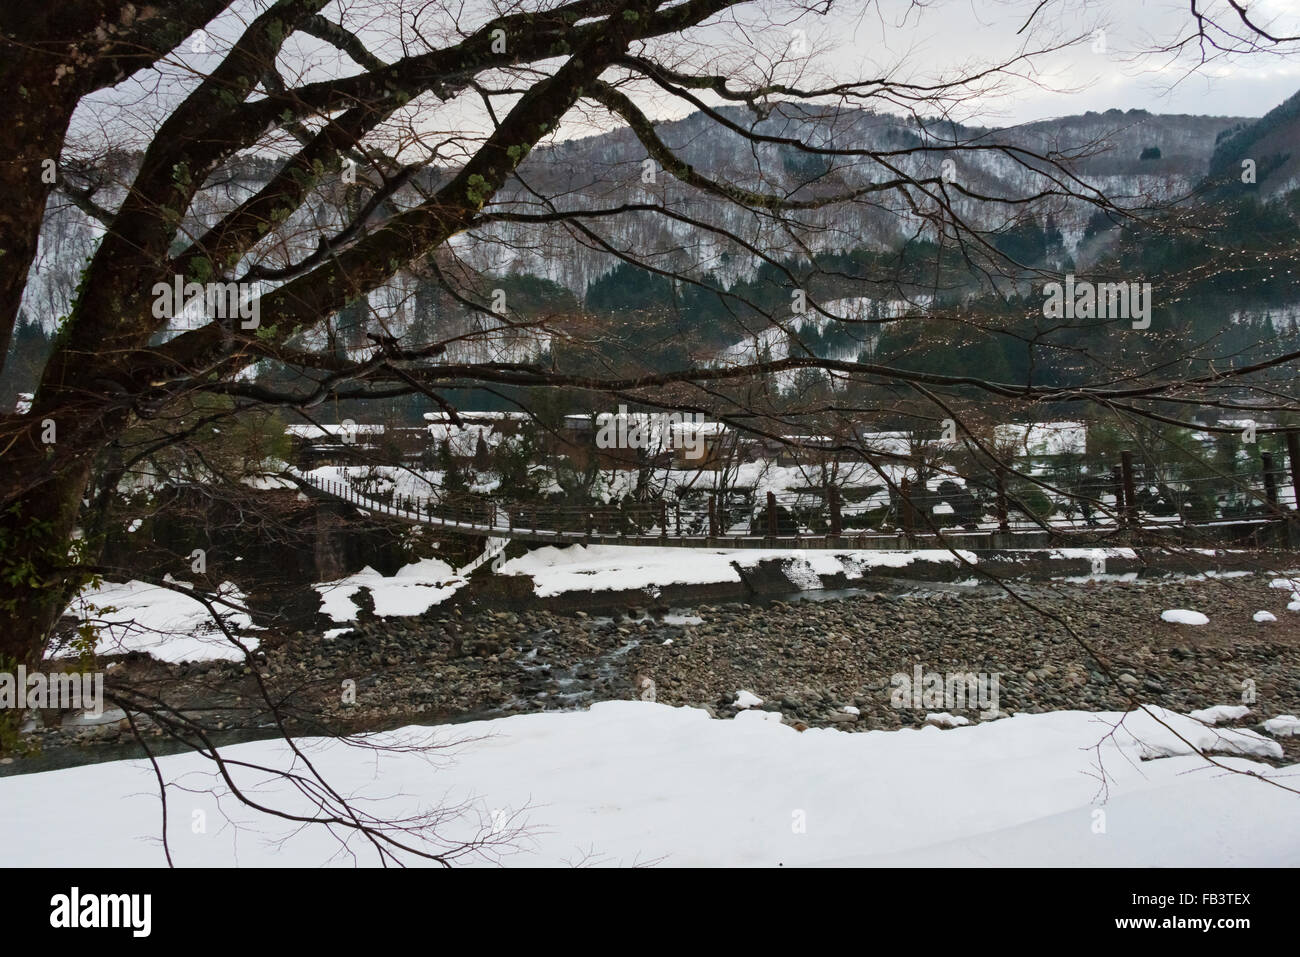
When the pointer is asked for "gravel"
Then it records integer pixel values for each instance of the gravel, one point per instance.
(809, 660)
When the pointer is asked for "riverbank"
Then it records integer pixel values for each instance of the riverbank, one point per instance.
(825, 663)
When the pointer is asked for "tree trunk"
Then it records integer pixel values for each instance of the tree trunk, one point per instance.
(35, 579)
(34, 104)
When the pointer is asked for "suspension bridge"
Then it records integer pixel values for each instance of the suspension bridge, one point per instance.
(809, 520)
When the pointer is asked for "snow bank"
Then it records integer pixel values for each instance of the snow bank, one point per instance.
(636, 782)
(1220, 712)
(1284, 725)
(617, 567)
(1184, 616)
(412, 591)
(167, 624)
(945, 720)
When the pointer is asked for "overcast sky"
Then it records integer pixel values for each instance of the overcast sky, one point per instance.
(914, 40)
(954, 32)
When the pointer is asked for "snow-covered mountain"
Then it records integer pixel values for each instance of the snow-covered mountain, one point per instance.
(613, 168)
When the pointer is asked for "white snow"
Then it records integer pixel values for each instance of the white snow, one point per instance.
(1184, 616)
(617, 567)
(169, 625)
(1262, 616)
(637, 782)
(945, 720)
(268, 482)
(605, 567)
(464, 439)
(306, 431)
(413, 590)
(1220, 712)
(1284, 725)
(1043, 438)
(747, 699)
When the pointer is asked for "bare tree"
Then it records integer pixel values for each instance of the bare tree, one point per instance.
(420, 143)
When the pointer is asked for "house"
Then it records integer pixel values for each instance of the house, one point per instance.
(331, 443)
(700, 445)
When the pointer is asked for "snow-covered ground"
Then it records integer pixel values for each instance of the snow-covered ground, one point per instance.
(413, 590)
(615, 567)
(170, 626)
(1184, 616)
(637, 782)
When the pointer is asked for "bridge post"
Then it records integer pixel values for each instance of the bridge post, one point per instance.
(1293, 455)
(771, 515)
(677, 508)
(1130, 492)
(837, 524)
(905, 490)
(713, 515)
(1004, 524)
(663, 519)
(1117, 486)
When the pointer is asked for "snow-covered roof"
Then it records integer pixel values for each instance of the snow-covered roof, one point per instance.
(478, 416)
(698, 428)
(315, 432)
(656, 423)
